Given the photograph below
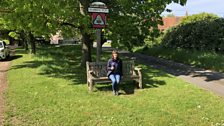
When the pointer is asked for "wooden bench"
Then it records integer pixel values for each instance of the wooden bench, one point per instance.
(97, 73)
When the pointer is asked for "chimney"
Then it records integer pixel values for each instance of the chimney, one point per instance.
(186, 14)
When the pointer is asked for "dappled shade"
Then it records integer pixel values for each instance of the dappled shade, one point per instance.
(61, 62)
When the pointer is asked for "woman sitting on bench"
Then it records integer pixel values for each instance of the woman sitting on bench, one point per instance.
(114, 68)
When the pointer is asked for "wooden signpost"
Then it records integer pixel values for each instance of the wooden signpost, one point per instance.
(99, 13)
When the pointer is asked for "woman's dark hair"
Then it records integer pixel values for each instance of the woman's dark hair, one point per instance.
(114, 52)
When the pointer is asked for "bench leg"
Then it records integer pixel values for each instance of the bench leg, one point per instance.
(90, 86)
(87, 83)
(140, 80)
(140, 84)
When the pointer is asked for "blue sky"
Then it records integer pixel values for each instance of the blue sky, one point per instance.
(198, 6)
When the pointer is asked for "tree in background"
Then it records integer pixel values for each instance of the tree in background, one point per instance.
(130, 22)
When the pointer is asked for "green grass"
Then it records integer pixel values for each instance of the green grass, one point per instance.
(202, 59)
(50, 89)
(107, 44)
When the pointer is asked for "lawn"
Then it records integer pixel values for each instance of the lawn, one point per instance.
(50, 89)
(204, 59)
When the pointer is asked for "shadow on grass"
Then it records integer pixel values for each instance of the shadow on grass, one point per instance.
(21, 51)
(11, 58)
(61, 62)
(148, 80)
(64, 62)
(129, 87)
(14, 57)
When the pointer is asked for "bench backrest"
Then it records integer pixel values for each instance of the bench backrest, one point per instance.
(100, 69)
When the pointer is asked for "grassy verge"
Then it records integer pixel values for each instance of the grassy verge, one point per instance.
(49, 89)
(203, 59)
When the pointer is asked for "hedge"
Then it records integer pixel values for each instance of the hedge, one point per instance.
(200, 32)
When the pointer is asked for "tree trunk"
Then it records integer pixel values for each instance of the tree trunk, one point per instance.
(86, 40)
(26, 45)
(24, 40)
(32, 43)
(86, 48)
(11, 41)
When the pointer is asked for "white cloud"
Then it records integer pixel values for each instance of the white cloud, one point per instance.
(198, 6)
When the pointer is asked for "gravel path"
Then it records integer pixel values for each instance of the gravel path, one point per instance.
(4, 67)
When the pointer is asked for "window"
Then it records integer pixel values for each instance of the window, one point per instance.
(1, 45)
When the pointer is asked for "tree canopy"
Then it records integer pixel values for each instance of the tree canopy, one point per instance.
(129, 22)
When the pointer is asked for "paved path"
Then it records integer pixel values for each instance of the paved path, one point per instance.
(4, 67)
(206, 79)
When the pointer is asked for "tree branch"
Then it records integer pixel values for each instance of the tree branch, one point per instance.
(69, 24)
(6, 11)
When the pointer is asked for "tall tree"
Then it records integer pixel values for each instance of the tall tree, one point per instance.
(130, 21)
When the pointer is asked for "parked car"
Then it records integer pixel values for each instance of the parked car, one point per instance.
(4, 50)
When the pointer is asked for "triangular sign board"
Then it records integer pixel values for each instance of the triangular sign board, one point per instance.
(98, 20)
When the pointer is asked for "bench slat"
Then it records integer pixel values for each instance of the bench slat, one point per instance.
(100, 69)
(98, 73)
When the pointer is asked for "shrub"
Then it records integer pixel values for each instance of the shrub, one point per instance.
(200, 31)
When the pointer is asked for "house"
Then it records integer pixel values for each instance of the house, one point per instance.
(169, 22)
(59, 39)
(56, 38)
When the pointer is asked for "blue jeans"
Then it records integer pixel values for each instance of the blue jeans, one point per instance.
(115, 78)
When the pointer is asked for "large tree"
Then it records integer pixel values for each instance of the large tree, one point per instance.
(130, 21)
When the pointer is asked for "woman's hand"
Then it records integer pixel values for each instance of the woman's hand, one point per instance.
(112, 68)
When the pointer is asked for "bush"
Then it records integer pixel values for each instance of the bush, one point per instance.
(201, 32)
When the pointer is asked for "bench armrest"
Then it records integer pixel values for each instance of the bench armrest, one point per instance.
(138, 69)
(91, 72)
